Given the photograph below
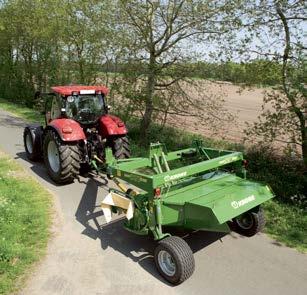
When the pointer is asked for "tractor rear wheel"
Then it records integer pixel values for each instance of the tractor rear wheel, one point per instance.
(174, 260)
(32, 143)
(249, 223)
(120, 147)
(61, 159)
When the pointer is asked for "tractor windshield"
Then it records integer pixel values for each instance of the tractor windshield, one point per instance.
(85, 109)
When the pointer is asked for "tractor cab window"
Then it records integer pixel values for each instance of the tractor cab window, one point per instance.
(53, 108)
(85, 109)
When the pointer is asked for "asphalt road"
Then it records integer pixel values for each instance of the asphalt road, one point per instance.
(86, 256)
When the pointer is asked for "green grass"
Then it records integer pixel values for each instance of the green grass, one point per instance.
(21, 111)
(285, 222)
(25, 208)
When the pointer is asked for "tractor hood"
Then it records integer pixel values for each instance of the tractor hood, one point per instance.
(209, 204)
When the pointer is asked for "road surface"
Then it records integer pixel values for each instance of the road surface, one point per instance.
(86, 256)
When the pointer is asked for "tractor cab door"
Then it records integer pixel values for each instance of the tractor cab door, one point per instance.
(53, 108)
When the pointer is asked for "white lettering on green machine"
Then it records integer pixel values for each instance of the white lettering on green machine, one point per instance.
(175, 176)
(238, 204)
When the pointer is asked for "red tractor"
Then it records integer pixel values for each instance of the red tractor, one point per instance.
(78, 129)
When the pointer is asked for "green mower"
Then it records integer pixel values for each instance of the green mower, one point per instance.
(196, 188)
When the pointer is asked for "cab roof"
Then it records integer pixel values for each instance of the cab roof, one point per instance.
(79, 89)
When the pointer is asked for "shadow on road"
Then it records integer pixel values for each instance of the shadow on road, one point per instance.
(137, 248)
(87, 206)
(37, 167)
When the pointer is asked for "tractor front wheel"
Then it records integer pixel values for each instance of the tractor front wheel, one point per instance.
(120, 147)
(249, 223)
(174, 260)
(61, 159)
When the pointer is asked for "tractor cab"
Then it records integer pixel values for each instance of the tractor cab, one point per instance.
(84, 104)
(85, 109)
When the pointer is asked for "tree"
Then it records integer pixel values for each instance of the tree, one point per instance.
(159, 34)
(85, 35)
(29, 38)
(285, 109)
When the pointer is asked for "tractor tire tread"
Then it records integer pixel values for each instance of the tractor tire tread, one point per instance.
(120, 147)
(36, 154)
(69, 154)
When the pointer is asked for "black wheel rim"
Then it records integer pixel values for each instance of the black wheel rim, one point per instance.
(245, 221)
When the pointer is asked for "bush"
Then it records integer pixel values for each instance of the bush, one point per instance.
(284, 174)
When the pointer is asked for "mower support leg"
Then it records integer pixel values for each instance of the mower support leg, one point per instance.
(158, 234)
(157, 228)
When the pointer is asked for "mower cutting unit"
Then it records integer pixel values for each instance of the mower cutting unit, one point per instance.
(195, 189)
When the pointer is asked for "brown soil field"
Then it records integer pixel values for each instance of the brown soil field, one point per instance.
(243, 103)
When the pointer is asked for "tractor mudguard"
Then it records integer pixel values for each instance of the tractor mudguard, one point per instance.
(67, 129)
(111, 125)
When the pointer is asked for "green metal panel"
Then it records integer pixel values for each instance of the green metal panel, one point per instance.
(188, 191)
(202, 218)
(191, 216)
(133, 164)
(232, 202)
(210, 203)
(167, 177)
(138, 179)
(172, 215)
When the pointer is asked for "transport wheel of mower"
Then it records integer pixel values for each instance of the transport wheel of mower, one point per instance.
(120, 147)
(249, 223)
(174, 260)
(61, 159)
(31, 145)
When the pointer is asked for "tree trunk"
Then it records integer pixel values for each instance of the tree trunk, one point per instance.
(81, 72)
(80, 63)
(149, 107)
(285, 83)
(304, 145)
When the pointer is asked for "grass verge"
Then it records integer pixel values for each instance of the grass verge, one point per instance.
(286, 223)
(25, 208)
(21, 111)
